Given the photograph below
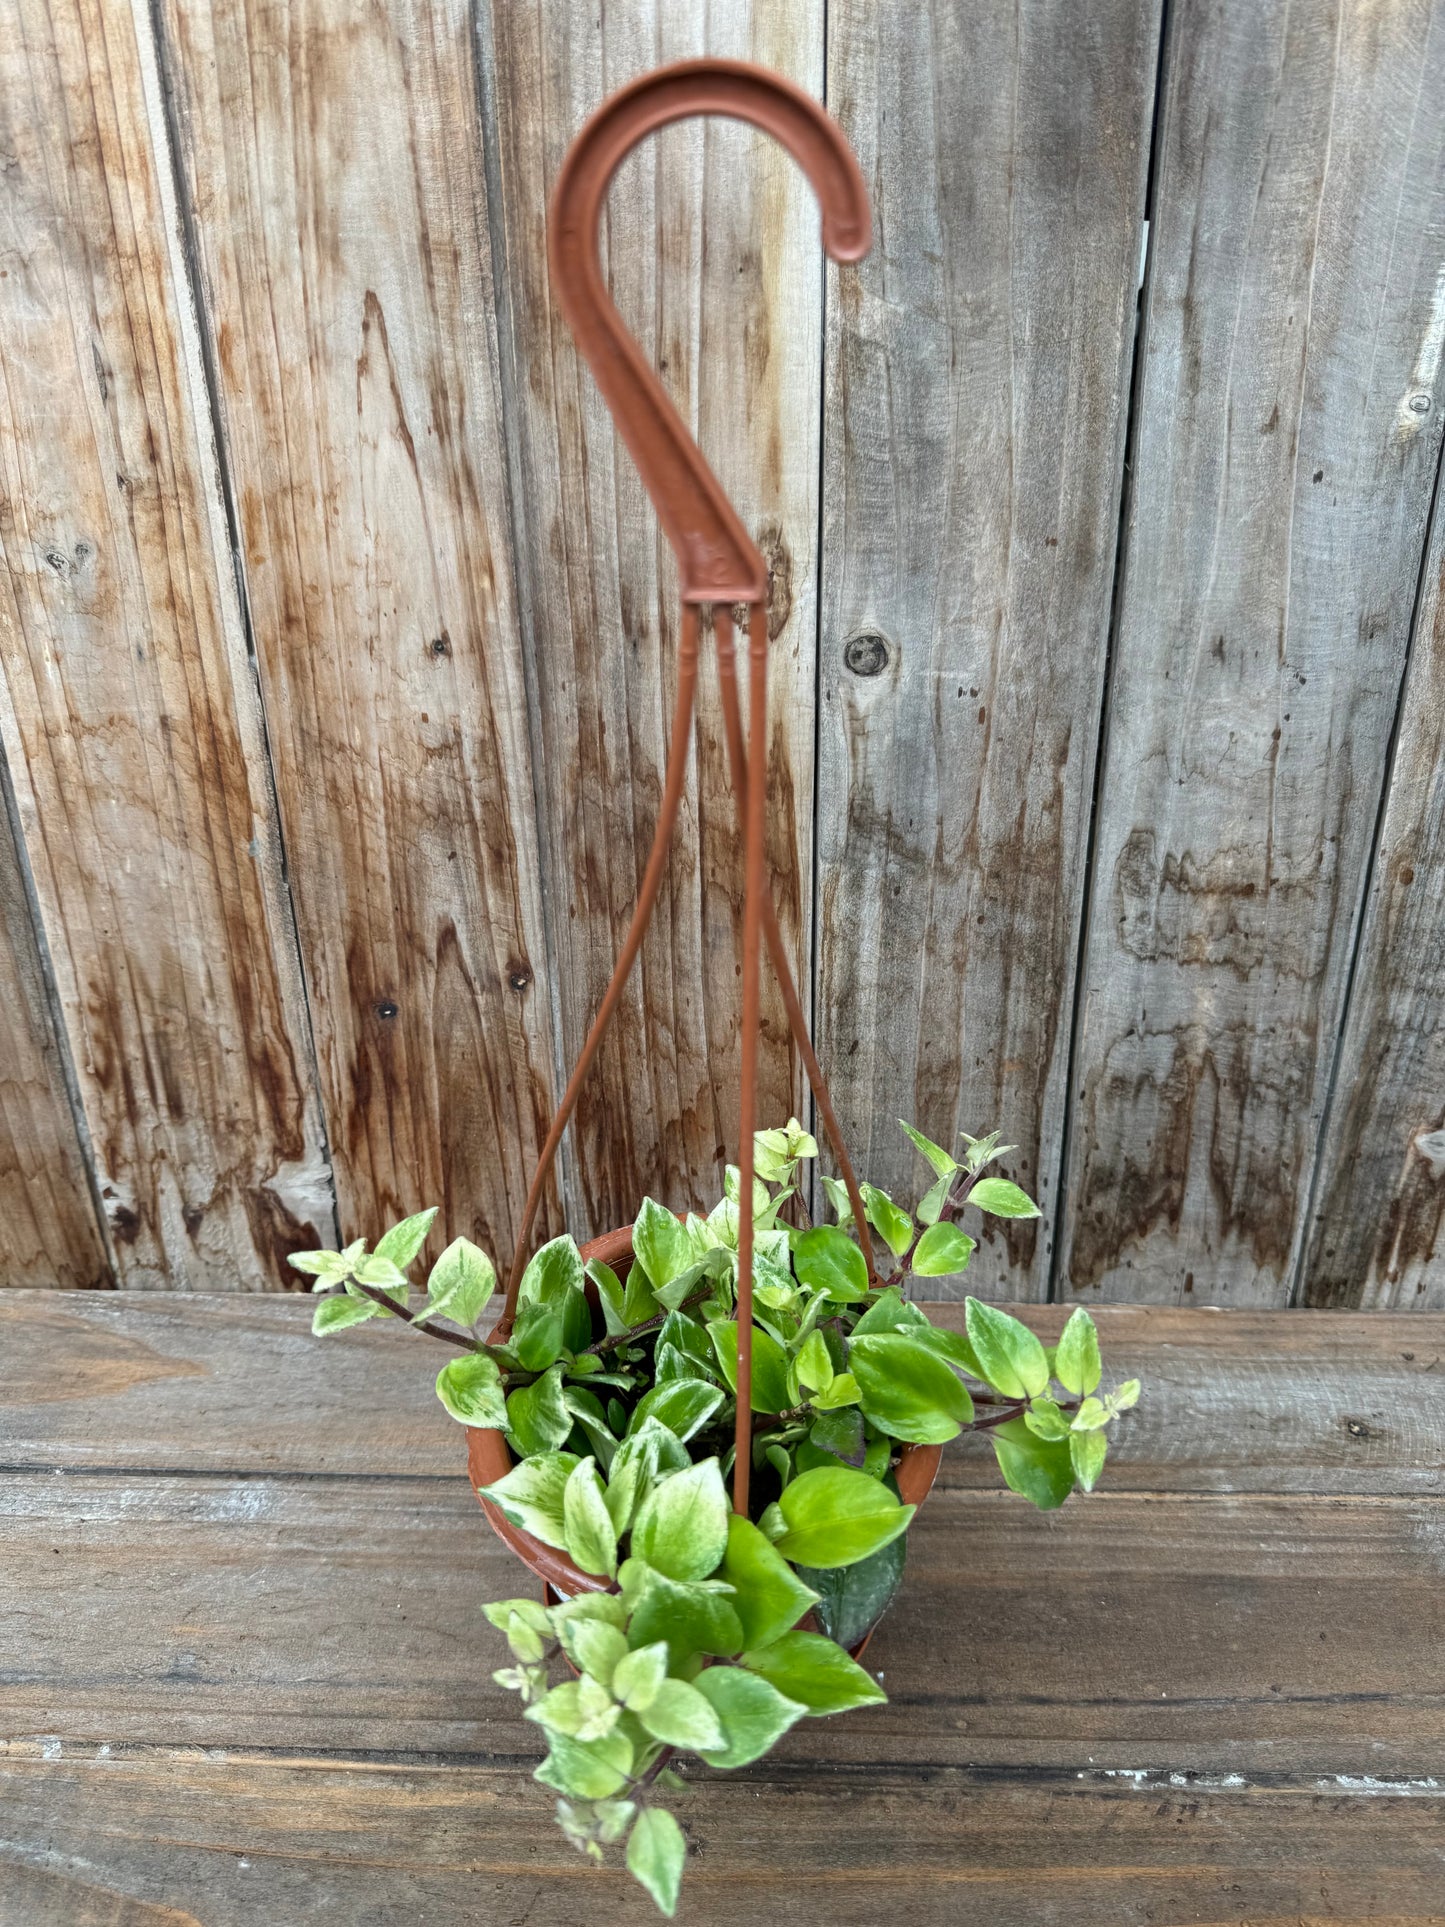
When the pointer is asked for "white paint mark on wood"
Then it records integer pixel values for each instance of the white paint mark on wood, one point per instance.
(1431, 1146)
(303, 1188)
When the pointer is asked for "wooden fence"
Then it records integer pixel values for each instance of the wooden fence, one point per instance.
(1109, 644)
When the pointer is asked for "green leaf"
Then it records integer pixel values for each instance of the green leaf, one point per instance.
(608, 1608)
(852, 1599)
(531, 1612)
(460, 1283)
(537, 1415)
(1002, 1199)
(656, 1851)
(770, 1365)
(637, 1678)
(678, 1715)
(692, 1616)
(1045, 1420)
(642, 1455)
(661, 1243)
(587, 1769)
(638, 1303)
(327, 1267)
(681, 1529)
(907, 1390)
(531, 1496)
(943, 1164)
(336, 1314)
(841, 1392)
(953, 1346)
(840, 1433)
(405, 1240)
(838, 1197)
(538, 1336)
(819, 1675)
(526, 1625)
(595, 1645)
(383, 1272)
(1076, 1359)
(941, 1251)
(591, 1537)
(814, 1366)
(771, 1159)
(689, 1338)
(1011, 1358)
(586, 1408)
(683, 1405)
(1126, 1396)
(471, 1390)
(1088, 1451)
(894, 1226)
(552, 1271)
(1092, 1415)
(768, 1596)
(609, 1296)
(582, 1709)
(933, 1201)
(753, 1714)
(889, 1311)
(1039, 1470)
(835, 1515)
(826, 1259)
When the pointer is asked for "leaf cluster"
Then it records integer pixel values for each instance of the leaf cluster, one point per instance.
(617, 1393)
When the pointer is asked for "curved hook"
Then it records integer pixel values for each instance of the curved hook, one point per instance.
(716, 558)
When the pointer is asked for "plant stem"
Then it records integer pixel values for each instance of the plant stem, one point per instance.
(418, 1323)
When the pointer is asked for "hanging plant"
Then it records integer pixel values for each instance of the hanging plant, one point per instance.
(708, 1435)
(693, 1629)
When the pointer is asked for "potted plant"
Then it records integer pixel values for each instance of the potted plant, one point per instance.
(602, 1438)
(630, 1386)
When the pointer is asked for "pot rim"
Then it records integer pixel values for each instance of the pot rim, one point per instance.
(489, 1459)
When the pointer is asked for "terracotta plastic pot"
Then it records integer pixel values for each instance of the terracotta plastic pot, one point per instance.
(489, 1459)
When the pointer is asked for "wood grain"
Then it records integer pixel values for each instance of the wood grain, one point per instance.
(978, 373)
(1288, 435)
(712, 249)
(128, 707)
(49, 1233)
(1251, 1402)
(234, 1839)
(1379, 1214)
(248, 1681)
(1226, 1633)
(333, 157)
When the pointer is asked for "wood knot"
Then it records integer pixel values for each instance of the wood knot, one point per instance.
(867, 653)
(386, 1009)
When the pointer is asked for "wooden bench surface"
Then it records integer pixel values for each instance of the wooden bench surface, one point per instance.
(246, 1680)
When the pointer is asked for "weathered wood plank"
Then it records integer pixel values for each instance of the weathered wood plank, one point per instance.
(1380, 1194)
(1289, 429)
(978, 373)
(49, 1234)
(713, 251)
(138, 1838)
(333, 156)
(267, 1697)
(128, 707)
(234, 1840)
(1249, 1402)
(341, 1615)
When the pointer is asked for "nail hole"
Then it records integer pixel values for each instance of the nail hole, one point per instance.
(386, 1008)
